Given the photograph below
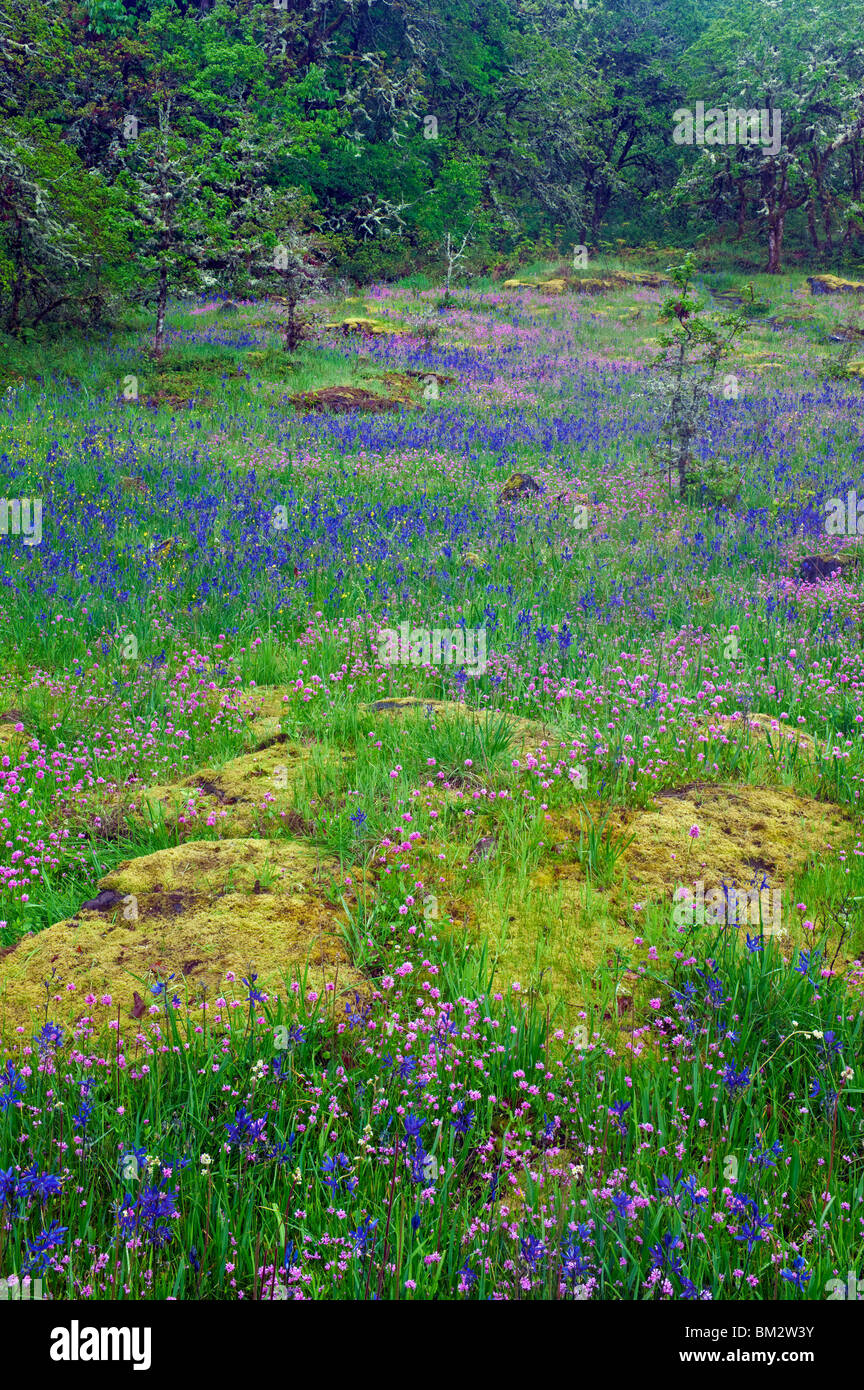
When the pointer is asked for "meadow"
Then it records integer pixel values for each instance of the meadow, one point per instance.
(327, 975)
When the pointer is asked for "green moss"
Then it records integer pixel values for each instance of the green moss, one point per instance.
(553, 929)
(194, 911)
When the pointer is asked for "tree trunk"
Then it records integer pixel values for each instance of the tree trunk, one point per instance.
(602, 198)
(811, 226)
(159, 339)
(826, 221)
(776, 227)
(13, 318)
(742, 210)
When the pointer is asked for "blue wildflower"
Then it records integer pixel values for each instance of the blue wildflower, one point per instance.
(797, 1275)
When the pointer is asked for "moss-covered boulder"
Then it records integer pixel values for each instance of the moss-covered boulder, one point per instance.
(526, 734)
(244, 796)
(194, 912)
(833, 284)
(555, 931)
(359, 326)
(344, 400)
(517, 486)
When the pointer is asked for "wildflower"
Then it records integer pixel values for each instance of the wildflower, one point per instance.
(736, 1081)
(689, 1289)
(253, 995)
(762, 1156)
(50, 1035)
(618, 1110)
(697, 1198)
(464, 1118)
(358, 1015)
(621, 1203)
(573, 1265)
(85, 1109)
(532, 1250)
(752, 1232)
(147, 1214)
(362, 1236)
(797, 1275)
(13, 1086)
(245, 1131)
(40, 1185)
(663, 1255)
(40, 1248)
(331, 1168)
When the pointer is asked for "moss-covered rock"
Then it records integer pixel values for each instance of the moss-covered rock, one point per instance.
(763, 727)
(526, 734)
(195, 912)
(517, 486)
(833, 284)
(554, 930)
(237, 797)
(361, 326)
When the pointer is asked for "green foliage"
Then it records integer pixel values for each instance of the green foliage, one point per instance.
(397, 137)
(694, 349)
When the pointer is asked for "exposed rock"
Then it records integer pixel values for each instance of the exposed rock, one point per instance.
(621, 279)
(817, 567)
(594, 284)
(108, 898)
(364, 327)
(483, 849)
(519, 485)
(136, 486)
(786, 322)
(848, 334)
(241, 797)
(343, 400)
(556, 932)
(192, 912)
(833, 284)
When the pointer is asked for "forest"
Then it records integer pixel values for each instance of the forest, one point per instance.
(151, 149)
(432, 671)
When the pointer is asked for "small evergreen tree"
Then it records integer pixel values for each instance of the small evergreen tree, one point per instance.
(693, 351)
